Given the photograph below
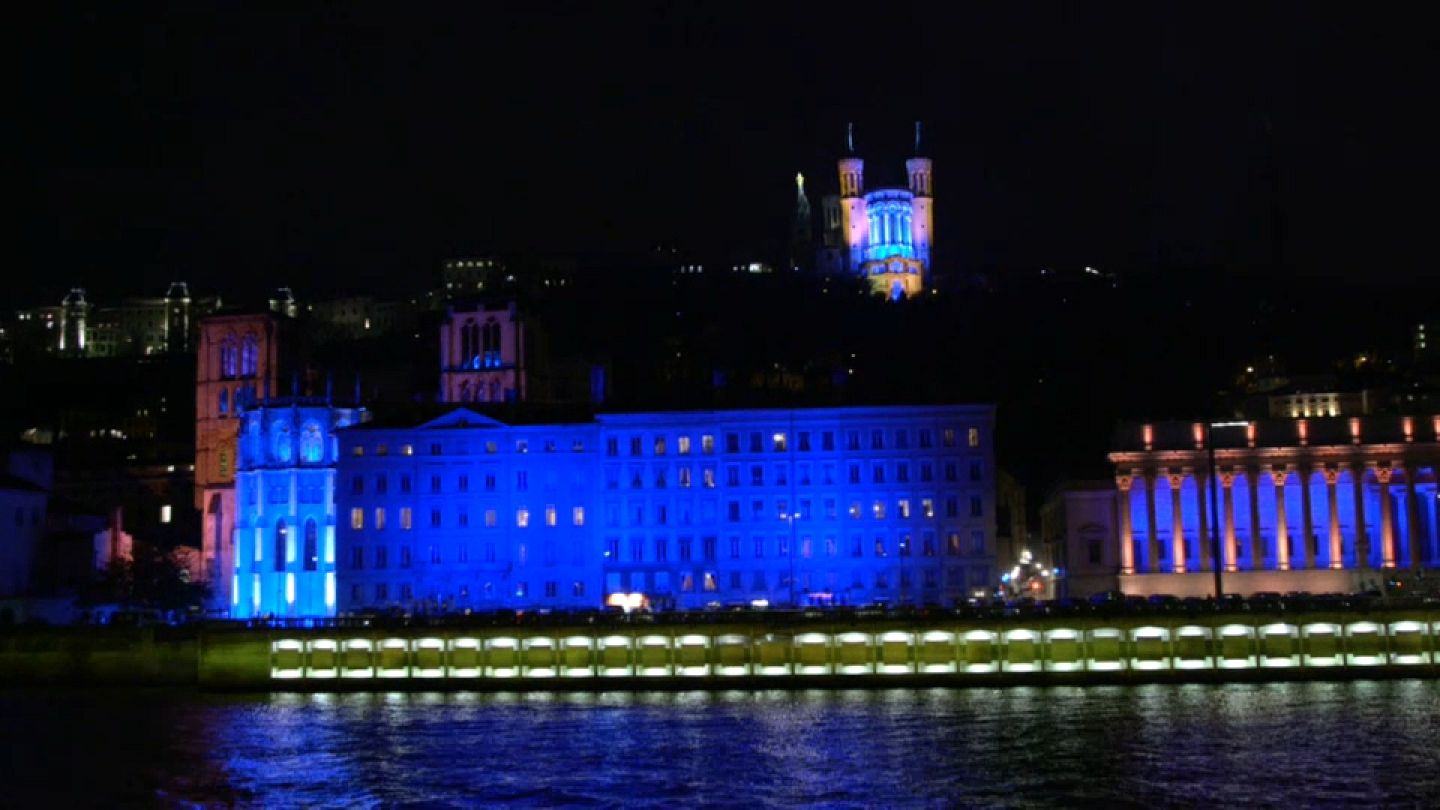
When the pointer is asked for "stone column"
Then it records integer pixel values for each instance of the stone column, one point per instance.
(1257, 542)
(1152, 541)
(1282, 528)
(1337, 542)
(1127, 537)
(1308, 524)
(1179, 563)
(1202, 508)
(1362, 542)
(1414, 531)
(1227, 480)
(1387, 518)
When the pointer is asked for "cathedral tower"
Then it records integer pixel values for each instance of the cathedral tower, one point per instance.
(922, 206)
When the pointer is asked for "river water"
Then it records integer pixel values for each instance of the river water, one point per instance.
(1373, 744)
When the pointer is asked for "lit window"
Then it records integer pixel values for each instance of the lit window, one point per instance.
(357, 450)
(577, 516)
(927, 507)
(491, 519)
(778, 441)
(973, 437)
(682, 445)
(379, 517)
(879, 510)
(659, 445)
(357, 518)
(522, 517)
(904, 508)
(549, 515)
(855, 510)
(165, 513)
(947, 437)
(407, 449)
(522, 446)
(707, 444)
(405, 518)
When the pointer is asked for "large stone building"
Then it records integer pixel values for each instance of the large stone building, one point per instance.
(284, 550)
(884, 235)
(137, 326)
(685, 509)
(1319, 505)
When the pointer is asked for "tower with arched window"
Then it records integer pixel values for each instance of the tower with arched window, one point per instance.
(238, 359)
(483, 355)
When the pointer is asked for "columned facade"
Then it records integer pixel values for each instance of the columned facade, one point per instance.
(1315, 508)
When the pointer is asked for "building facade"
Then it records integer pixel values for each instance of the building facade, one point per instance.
(1319, 505)
(1077, 531)
(884, 235)
(284, 538)
(685, 509)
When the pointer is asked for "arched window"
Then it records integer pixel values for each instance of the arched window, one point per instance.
(312, 443)
(282, 543)
(470, 345)
(311, 559)
(283, 446)
(491, 349)
(228, 358)
(249, 357)
(224, 400)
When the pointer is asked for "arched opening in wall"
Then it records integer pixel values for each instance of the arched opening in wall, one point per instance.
(312, 545)
(897, 291)
(249, 356)
(229, 358)
(282, 542)
(216, 518)
(470, 344)
(491, 346)
(312, 443)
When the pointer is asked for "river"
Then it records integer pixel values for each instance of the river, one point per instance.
(1365, 743)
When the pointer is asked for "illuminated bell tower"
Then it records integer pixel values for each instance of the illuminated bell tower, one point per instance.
(855, 224)
(922, 207)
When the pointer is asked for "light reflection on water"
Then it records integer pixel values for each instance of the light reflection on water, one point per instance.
(1297, 744)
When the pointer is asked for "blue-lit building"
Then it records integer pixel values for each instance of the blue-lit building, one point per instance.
(284, 537)
(815, 506)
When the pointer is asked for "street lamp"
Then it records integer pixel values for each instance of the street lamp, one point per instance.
(1215, 563)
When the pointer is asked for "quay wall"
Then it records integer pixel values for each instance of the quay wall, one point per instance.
(740, 654)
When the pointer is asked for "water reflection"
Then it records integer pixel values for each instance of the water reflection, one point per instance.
(1240, 744)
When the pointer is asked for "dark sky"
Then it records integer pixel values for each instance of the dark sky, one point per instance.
(350, 147)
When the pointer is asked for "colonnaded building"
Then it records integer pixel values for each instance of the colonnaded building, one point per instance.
(684, 509)
(1311, 504)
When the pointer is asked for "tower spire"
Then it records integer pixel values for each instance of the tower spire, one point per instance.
(850, 136)
(917, 137)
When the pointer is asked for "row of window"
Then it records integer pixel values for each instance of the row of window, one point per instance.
(880, 473)
(659, 550)
(756, 442)
(808, 547)
(898, 472)
(779, 441)
(659, 514)
(405, 591)
(550, 516)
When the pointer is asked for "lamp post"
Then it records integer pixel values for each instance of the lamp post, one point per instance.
(1215, 556)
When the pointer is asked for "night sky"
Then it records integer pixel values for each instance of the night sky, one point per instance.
(345, 147)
